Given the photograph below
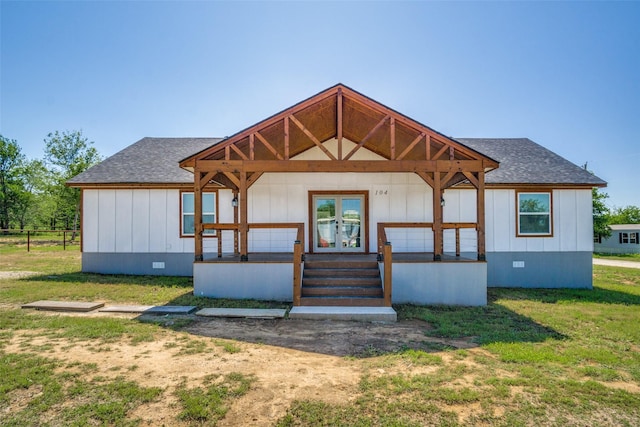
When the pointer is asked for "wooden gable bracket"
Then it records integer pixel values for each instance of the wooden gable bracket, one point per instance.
(238, 152)
(269, 146)
(411, 146)
(366, 138)
(311, 137)
(204, 179)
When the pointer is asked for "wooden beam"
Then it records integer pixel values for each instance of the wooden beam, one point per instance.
(472, 179)
(444, 184)
(238, 152)
(227, 153)
(428, 146)
(426, 178)
(269, 146)
(410, 147)
(480, 217)
(207, 177)
(312, 137)
(253, 178)
(437, 218)
(244, 218)
(369, 135)
(252, 146)
(339, 123)
(223, 180)
(232, 178)
(341, 165)
(286, 138)
(235, 221)
(452, 153)
(440, 152)
(392, 137)
(197, 214)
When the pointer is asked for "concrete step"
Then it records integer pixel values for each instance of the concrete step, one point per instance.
(363, 314)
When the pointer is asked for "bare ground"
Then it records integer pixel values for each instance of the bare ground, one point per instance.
(289, 359)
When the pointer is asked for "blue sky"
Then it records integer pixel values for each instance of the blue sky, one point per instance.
(565, 74)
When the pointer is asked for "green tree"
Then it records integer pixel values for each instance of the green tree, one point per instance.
(626, 215)
(601, 214)
(68, 154)
(11, 158)
(34, 192)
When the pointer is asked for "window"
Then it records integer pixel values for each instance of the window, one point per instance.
(188, 213)
(534, 214)
(633, 238)
(597, 238)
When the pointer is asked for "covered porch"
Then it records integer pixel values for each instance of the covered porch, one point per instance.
(340, 132)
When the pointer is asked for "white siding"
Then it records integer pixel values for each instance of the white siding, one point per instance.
(124, 220)
(572, 223)
(90, 220)
(140, 221)
(107, 224)
(144, 221)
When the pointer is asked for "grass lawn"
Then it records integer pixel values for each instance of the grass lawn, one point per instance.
(541, 357)
(619, 257)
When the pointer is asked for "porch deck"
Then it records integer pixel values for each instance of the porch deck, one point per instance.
(287, 257)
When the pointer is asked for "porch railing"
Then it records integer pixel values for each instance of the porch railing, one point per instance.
(298, 246)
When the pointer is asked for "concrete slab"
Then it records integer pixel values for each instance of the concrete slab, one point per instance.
(171, 309)
(125, 308)
(362, 314)
(76, 306)
(253, 313)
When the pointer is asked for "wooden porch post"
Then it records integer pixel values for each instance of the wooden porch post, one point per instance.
(197, 219)
(244, 227)
(480, 217)
(235, 221)
(437, 217)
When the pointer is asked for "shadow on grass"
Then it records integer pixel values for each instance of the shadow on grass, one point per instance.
(425, 328)
(596, 295)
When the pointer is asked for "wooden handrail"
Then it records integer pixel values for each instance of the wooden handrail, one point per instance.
(298, 247)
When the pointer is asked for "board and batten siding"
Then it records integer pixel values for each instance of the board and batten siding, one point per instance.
(128, 230)
(572, 223)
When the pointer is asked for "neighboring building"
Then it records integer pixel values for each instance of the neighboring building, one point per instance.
(624, 239)
(352, 181)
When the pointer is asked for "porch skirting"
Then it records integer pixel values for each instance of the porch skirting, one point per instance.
(450, 283)
(244, 280)
(138, 263)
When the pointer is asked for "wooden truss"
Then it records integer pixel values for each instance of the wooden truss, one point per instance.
(341, 113)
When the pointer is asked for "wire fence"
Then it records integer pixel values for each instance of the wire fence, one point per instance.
(39, 239)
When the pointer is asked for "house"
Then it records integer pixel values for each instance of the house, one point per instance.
(341, 200)
(624, 239)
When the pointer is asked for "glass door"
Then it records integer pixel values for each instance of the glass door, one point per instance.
(338, 223)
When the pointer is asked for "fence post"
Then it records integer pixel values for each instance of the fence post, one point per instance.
(28, 240)
(64, 240)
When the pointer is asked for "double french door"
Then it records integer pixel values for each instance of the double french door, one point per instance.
(339, 222)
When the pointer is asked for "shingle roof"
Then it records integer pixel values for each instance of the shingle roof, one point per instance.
(155, 161)
(522, 161)
(148, 161)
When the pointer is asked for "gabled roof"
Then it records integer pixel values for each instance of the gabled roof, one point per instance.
(148, 161)
(522, 161)
(337, 112)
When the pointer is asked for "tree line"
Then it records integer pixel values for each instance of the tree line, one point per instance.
(603, 217)
(33, 193)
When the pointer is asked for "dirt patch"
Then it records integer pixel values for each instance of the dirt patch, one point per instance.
(330, 337)
(16, 274)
